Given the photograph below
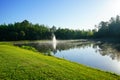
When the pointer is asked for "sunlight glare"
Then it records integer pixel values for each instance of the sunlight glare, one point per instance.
(110, 9)
(114, 7)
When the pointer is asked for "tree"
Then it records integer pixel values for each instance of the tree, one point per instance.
(110, 29)
(53, 29)
(22, 35)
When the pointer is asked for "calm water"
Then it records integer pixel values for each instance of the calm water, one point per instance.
(99, 55)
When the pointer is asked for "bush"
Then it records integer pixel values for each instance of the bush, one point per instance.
(29, 48)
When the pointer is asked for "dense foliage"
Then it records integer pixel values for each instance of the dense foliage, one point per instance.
(27, 31)
(73, 34)
(24, 31)
(109, 29)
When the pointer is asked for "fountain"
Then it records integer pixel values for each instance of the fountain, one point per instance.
(54, 42)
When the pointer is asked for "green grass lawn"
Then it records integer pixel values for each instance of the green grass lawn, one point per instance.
(21, 64)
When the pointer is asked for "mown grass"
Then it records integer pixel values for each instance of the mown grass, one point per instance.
(6, 43)
(21, 64)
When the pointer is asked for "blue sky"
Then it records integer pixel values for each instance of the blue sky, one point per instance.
(75, 14)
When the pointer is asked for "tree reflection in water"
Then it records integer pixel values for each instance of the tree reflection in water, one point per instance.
(111, 50)
(105, 49)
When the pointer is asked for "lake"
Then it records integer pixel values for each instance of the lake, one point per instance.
(104, 56)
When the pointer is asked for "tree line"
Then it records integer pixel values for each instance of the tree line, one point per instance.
(109, 29)
(23, 31)
(27, 31)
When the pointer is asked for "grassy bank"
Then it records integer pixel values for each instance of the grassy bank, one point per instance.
(21, 64)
